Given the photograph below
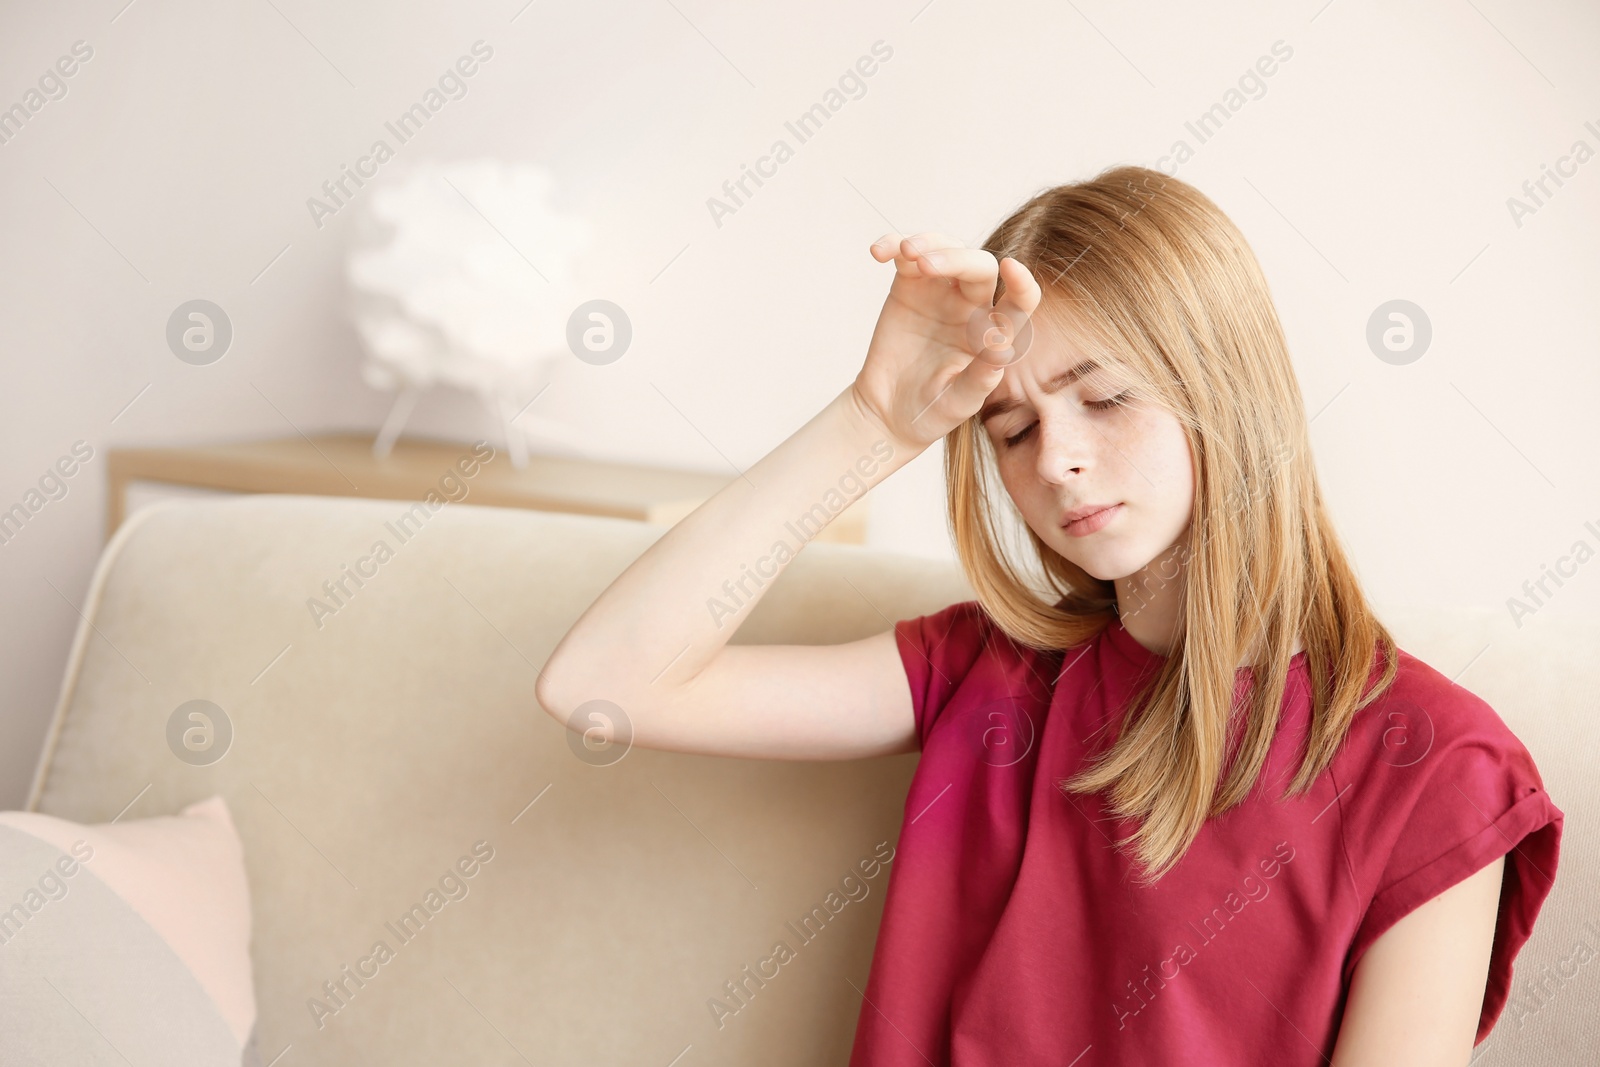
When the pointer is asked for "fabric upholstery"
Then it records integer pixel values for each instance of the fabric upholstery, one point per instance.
(372, 755)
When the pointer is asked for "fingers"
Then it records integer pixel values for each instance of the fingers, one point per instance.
(998, 333)
(1002, 334)
(910, 245)
(938, 255)
(1022, 289)
(906, 251)
(972, 269)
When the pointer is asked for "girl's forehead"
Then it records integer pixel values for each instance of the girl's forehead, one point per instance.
(1054, 340)
(1058, 349)
(1051, 364)
(1039, 372)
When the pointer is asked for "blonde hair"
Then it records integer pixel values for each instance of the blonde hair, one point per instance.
(1146, 268)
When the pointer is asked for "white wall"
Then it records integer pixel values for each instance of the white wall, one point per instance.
(1376, 164)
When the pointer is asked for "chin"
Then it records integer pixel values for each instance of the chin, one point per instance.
(1108, 574)
(1107, 564)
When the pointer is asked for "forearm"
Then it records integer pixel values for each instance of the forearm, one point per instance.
(675, 607)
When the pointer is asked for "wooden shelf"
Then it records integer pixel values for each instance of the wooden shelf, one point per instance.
(343, 465)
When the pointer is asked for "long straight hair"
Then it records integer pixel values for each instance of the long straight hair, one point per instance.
(1146, 270)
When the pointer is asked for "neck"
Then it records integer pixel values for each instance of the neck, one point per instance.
(1150, 602)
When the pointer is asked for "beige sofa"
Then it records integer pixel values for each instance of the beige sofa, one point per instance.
(374, 750)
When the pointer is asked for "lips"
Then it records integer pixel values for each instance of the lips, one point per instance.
(1083, 513)
(1080, 522)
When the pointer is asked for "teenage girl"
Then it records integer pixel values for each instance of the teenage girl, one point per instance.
(1180, 798)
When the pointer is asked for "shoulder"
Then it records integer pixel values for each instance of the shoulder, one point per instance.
(951, 637)
(956, 638)
(1421, 725)
(1433, 786)
(960, 654)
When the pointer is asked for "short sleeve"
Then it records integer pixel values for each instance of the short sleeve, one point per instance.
(1475, 797)
(939, 651)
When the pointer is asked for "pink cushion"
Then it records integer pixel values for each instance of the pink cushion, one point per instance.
(139, 928)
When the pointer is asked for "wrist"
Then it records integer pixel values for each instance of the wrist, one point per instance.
(868, 430)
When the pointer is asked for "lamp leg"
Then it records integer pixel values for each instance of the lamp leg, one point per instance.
(404, 401)
(510, 435)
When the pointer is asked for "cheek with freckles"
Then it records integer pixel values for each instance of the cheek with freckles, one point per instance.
(1142, 460)
(1162, 486)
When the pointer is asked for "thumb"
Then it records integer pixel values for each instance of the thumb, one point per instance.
(970, 388)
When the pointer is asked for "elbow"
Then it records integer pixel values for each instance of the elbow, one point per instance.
(599, 731)
(552, 692)
(580, 674)
(563, 679)
(564, 695)
(561, 691)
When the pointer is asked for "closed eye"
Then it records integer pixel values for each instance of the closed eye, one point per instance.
(1109, 402)
(1098, 405)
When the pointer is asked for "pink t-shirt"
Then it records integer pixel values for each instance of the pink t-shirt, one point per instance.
(1012, 933)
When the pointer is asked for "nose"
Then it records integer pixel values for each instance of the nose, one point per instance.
(1065, 444)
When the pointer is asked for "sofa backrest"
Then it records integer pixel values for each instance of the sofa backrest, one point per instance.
(392, 734)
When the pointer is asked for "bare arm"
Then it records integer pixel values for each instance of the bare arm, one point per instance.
(649, 642)
(655, 643)
(1417, 993)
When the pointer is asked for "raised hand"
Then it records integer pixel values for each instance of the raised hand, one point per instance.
(941, 342)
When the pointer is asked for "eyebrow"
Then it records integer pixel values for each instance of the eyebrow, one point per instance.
(1060, 381)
